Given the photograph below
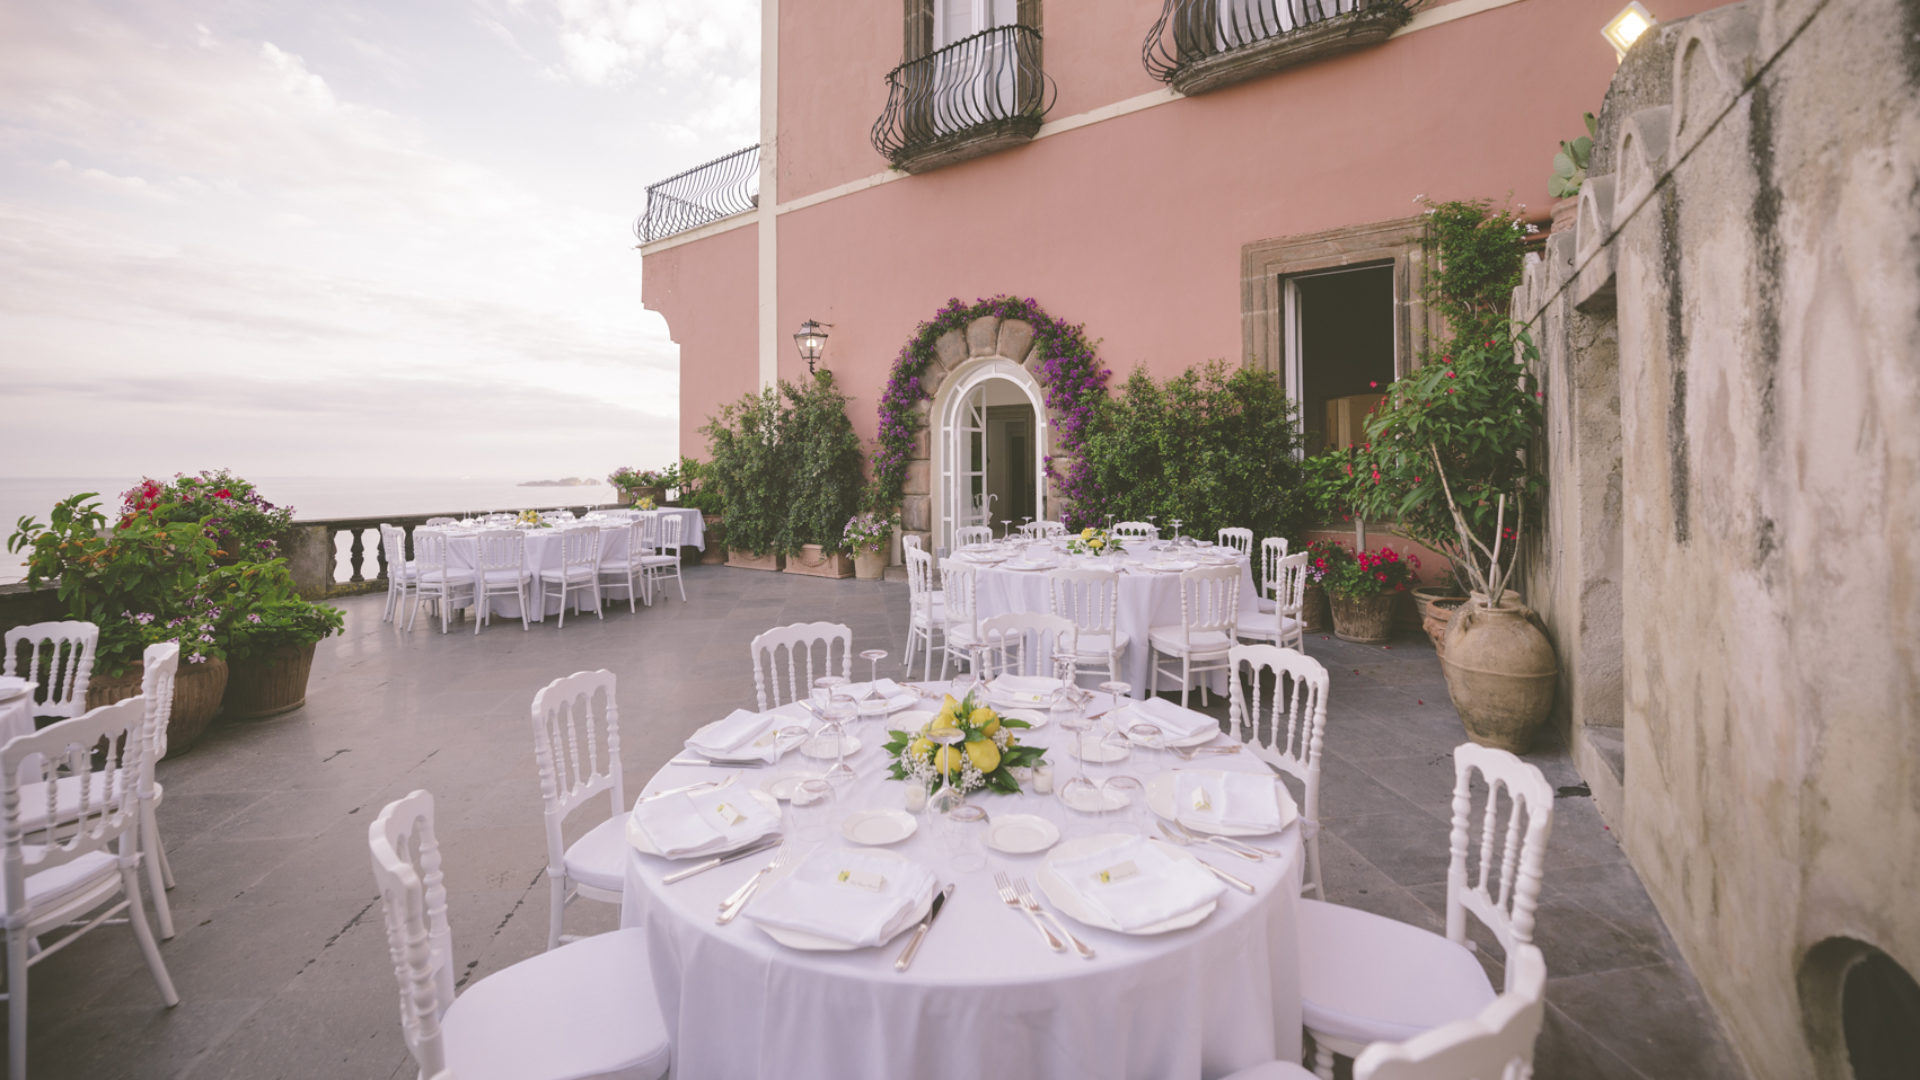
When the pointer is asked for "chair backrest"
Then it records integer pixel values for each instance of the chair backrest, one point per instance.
(109, 736)
(1495, 1044)
(580, 547)
(1026, 643)
(783, 660)
(158, 666)
(910, 541)
(1047, 530)
(576, 743)
(1239, 539)
(1091, 598)
(649, 527)
(1272, 550)
(429, 550)
(919, 578)
(1210, 599)
(1285, 730)
(1136, 530)
(972, 534)
(1504, 888)
(958, 582)
(1288, 585)
(432, 521)
(671, 526)
(58, 660)
(502, 549)
(413, 895)
(393, 544)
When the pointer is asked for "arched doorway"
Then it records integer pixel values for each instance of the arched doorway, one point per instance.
(990, 446)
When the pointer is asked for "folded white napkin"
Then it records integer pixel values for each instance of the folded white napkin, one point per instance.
(1235, 800)
(704, 821)
(886, 688)
(844, 895)
(1169, 717)
(1142, 884)
(1025, 689)
(742, 735)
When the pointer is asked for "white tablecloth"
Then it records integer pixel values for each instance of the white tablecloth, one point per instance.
(1147, 599)
(984, 998)
(693, 526)
(543, 553)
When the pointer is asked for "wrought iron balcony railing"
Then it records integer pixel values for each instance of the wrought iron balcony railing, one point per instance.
(721, 188)
(980, 94)
(1201, 45)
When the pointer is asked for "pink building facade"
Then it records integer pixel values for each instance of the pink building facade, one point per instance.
(1269, 217)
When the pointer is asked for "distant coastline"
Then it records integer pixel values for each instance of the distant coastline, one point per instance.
(571, 481)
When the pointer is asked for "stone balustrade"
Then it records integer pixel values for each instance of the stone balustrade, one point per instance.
(318, 552)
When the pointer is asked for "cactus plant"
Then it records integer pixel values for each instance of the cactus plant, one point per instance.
(1570, 163)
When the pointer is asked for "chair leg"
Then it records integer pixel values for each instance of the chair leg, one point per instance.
(1322, 1061)
(520, 591)
(16, 1006)
(412, 614)
(557, 906)
(1315, 882)
(1186, 677)
(679, 583)
(631, 589)
(563, 603)
(156, 871)
(137, 915)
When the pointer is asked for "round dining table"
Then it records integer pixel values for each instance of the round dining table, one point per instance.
(542, 553)
(984, 997)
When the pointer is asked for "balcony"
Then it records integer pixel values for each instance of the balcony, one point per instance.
(706, 193)
(978, 95)
(1201, 45)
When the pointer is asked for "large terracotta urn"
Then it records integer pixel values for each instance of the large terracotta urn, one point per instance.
(1500, 672)
(197, 689)
(268, 685)
(870, 565)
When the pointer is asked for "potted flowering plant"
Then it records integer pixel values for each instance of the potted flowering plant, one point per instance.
(1323, 556)
(1362, 590)
(269, 636)
(982, 759)
(1095, 542)
(244, 526)
(867, 535)
(634, 484)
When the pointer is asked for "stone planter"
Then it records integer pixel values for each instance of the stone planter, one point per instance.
(870, 565)
(1425, 595)
(631, 496)
(747, 560)
(196, 696)
(1438, 617)
(715, 553)
(268, 685)
(1500, 673)
(814, 561)
(1313, 609)
(1367, 620)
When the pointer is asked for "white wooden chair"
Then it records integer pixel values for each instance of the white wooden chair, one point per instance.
(972, 534)
(623, 570)
(1294, 718)
(1365, 978)
(579, 571)
(663, 561)
(1284, 624)
(926, 608)
(59, 653)
(576, 744)
(1495, 1044)
(910, 540)
(1239, 539)
(1209, 607)
(402, 574)
(1025, 643)
(500, 570)
(783, 660)
(588, 1009)
(1091, 598)
(1272, 550)
(1136, 530)
(959, 580)
(86, 872)
(434, 579)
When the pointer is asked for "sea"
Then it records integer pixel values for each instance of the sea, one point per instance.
(313, 498)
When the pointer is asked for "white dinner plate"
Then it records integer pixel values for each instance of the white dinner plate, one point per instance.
(820, 746)
(1172, 566)
(1095, 751)
(781, 787)
(1067, 899)
(1034, 717)
(1022, 834)
(643, 843)
(799, 939)
(1109, 800)
(874, 827)
(1125, 717)
(1160, 801)
(1021, 690)
(12, 686)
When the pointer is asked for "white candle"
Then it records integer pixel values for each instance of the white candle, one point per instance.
(1043, 778)
(916, 797)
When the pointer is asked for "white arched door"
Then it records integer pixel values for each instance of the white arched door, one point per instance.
(964, 448)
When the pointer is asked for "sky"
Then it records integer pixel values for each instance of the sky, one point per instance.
(347, 238)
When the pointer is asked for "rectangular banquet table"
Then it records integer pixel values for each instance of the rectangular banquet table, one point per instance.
(542, 553)
(984, 998)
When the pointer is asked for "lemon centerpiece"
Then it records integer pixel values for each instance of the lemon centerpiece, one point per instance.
(531, 519)
(1093, 541)
(982, 758)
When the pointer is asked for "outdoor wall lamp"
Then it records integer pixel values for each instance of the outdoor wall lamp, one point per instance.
(811, 339)
(1625, 28)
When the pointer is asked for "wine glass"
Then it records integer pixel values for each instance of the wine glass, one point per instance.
(873, 658)
(1176, 531)
(963, 833)
(823, 688)
(1065, 710)
(841, 707)
(1125, 798)
(948, 740)
(812, 808)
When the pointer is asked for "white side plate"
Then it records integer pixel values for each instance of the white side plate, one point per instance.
(1022, 834)
(874, 827)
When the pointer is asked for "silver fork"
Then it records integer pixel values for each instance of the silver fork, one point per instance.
(1009, 898)
(737, 902)
(1188, 753)
(1229, 840)
(1188, 839)
(1033, 908)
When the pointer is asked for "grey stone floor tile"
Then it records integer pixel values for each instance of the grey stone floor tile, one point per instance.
(1409, 847)
(295, 1035)
(1653, 1020)
(1565, 1051)
(145, 1042)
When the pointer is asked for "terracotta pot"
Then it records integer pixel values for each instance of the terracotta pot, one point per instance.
(870, 565)
(1313, 609)
(813, 561)
(747, 560)
(196, 696)
(268, 685)
(1364, 619)
(1500, 673)
(1439, 616)
(1425, 595)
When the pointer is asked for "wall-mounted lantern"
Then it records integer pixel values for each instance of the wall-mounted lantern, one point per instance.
(812, 340)
(1625, 28)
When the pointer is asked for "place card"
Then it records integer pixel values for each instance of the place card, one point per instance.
(728, 814)
(862, 879)
(1117, 872)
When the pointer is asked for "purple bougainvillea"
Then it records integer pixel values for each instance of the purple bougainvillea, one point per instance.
(1069, 374)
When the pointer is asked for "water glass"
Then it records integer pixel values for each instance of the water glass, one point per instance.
(963, 836)
(812, 812)
(1125, 799)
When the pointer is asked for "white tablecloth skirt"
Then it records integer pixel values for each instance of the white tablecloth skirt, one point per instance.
(543, 553)
(984, 998)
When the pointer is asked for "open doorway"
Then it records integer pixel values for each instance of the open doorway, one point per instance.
(1340, 343)
(991, 451)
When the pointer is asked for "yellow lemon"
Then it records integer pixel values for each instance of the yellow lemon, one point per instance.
(1096, 544)
(980, 716)
(1086, 533)
(947, 759)
(920, 746)
(985, 755)
(947, 704)
(989, 725)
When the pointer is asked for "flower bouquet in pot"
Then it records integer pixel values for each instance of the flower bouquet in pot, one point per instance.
(1095, 543)
(269, 635)
(1362, 588)
(867, 535)
(984, 747)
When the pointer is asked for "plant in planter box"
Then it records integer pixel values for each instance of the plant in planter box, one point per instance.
(867, 535)
(1362, 588)
(244, 526)
(826, 465)
(750, 472)
(268, 633)
(636, 484)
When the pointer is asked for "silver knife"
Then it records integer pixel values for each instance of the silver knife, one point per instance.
(920, 934)
(718, 764)
(720, 860)
(1226, 877)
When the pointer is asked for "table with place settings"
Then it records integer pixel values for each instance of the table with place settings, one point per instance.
(542, 553)
(984, 995)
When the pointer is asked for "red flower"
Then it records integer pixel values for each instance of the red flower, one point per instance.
(1381, 577)
(1373, 385)
(223, 493)
(1450, 373)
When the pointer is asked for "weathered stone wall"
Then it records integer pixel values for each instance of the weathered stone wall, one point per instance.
(1744, 278)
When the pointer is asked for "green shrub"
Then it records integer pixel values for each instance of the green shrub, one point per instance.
(787, 466)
